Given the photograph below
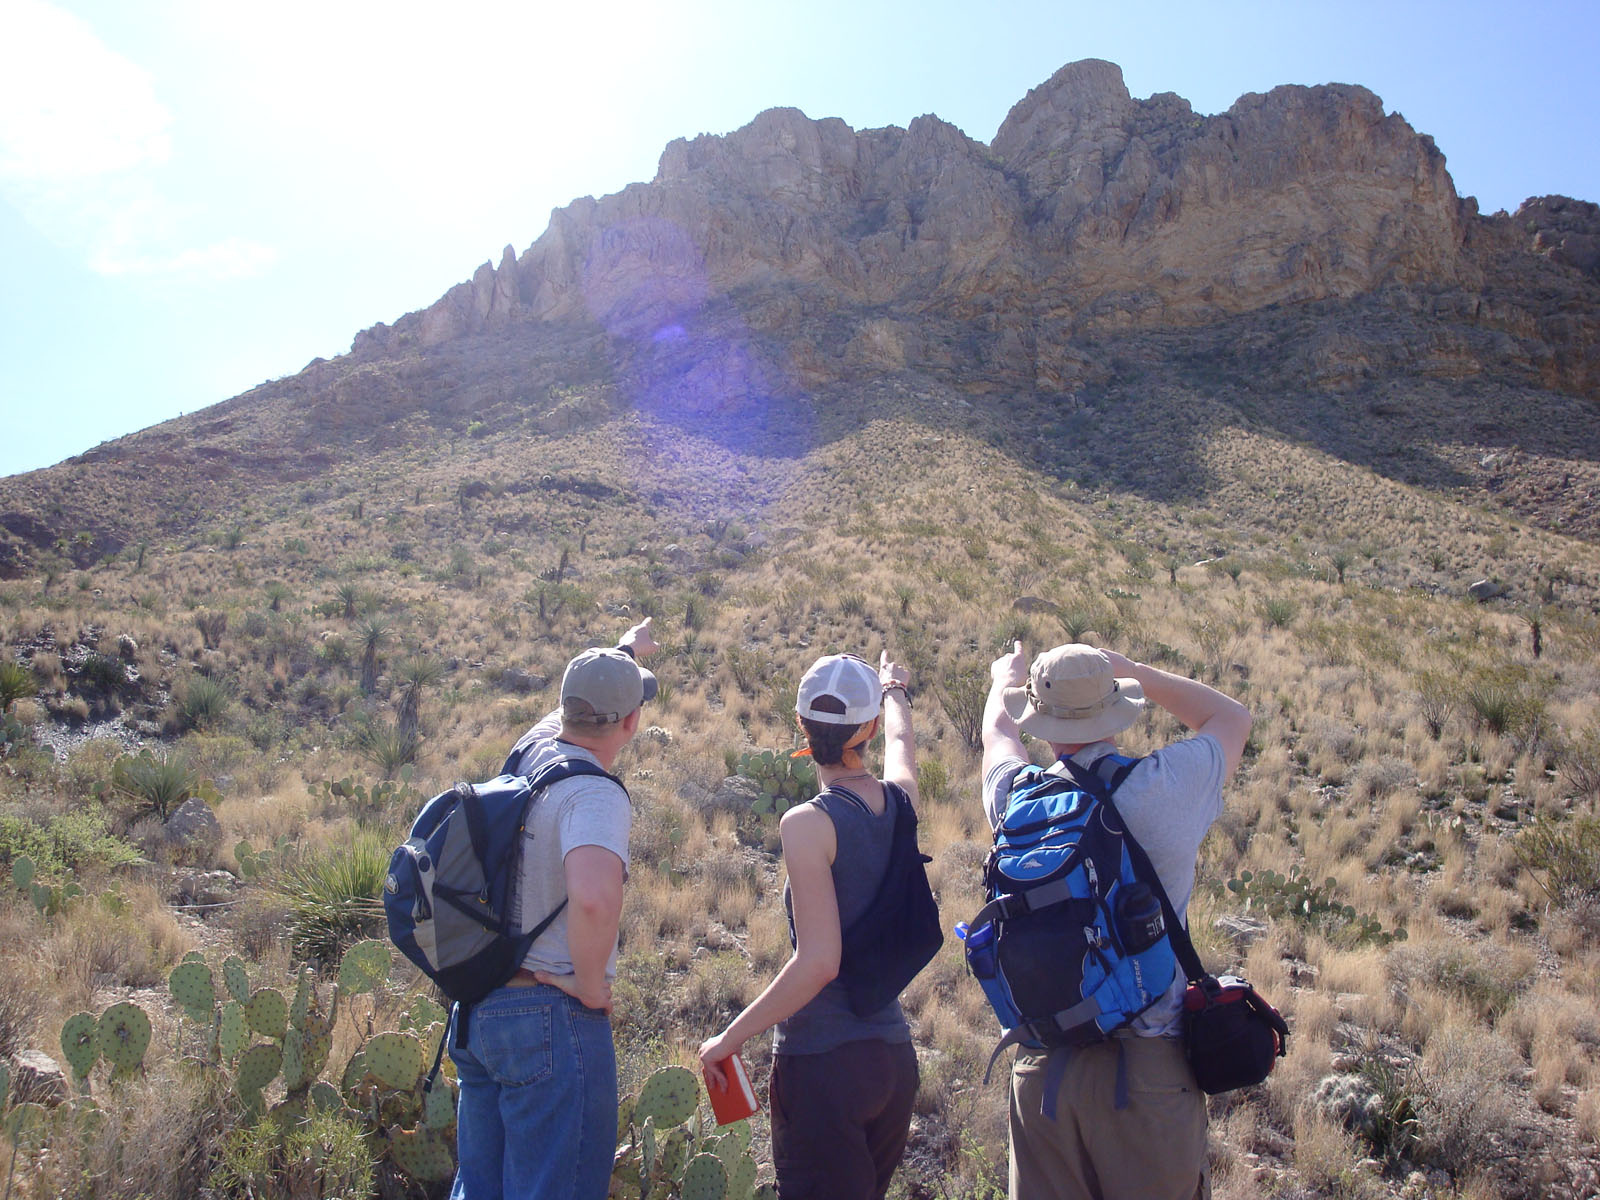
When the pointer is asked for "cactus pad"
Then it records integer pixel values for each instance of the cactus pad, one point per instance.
(258, 1066)
(674, 1153)
(27, 1125)
(422, 1015)
(234, 976)
(267, 1012)
(395, 1060)
(355, 1072)
(5, 1083)
(423, 1156)
(671, 1096)
(304, 997)
(325, 1097)
(193, 989)
(122, 1035)
(365, 966)
(233, 1031)
(439, 1106)
(705, 1178)
(295, 1075)
(79, 1045)
(741, 1174)
(22, 870)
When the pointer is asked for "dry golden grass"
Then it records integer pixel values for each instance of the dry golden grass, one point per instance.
(752, 566)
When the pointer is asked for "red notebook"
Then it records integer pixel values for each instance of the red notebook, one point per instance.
(737, 1100)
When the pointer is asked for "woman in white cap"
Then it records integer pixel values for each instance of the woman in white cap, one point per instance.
(843, 1082)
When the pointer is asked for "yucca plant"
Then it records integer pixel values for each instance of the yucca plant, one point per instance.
(16, 683)
(202, 702)
(334, 897)
(413, 674)
(387, 747)
(158, 784)
(373, 636)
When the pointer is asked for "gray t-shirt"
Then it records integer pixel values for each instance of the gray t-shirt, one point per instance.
(583, 811)
(1168, 801)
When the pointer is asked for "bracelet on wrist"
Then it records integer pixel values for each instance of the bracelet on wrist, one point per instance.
(897, 686)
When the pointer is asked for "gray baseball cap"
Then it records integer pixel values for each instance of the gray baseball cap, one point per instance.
(602, 686)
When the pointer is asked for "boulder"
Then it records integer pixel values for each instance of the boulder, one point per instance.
(193, 824)
(204, 887)
(734, 794)
(35, 1078)
(1487, 589)
(523, 682)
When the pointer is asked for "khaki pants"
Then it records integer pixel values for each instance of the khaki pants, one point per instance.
(1154, 1149)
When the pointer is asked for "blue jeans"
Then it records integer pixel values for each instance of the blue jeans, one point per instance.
(538, 1112)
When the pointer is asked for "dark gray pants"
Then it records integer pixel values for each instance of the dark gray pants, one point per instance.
(840, 1119)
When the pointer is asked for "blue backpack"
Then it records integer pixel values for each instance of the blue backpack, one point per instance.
(1072, 944)
(449, 890)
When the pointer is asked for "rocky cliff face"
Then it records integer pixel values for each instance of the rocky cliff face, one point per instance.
(794, 256)
(1092, 211)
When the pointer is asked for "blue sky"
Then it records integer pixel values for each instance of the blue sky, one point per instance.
(196, 197)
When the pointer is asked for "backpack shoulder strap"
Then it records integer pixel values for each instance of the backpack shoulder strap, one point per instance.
(1097, 785)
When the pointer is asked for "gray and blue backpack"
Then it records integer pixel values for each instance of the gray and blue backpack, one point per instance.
(1072, 944)
(450, 888)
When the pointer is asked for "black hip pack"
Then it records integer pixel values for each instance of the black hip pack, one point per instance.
(1234, 1037)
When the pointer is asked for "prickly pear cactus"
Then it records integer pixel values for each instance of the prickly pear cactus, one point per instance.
(439, 1105)
(5, 1084)
(304, 995)
(670, 1096)
(705, 1178)
(325, 1097)
(422, 1016)
(296, 1075)
(79, 1046)
(258, 1066)
(267, 1012)
(421, 1154)
(235, 978)
(193, 989)
(395, 1060)
(122, 1035)
(22, 870)
(233, 1031)
(741, 1170)
(365, 966)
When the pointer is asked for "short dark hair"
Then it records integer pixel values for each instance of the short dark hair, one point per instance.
(827, 742)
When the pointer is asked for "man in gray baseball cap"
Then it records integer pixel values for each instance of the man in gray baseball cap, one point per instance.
(538, 1073)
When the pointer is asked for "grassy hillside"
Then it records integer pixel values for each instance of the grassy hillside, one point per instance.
(1413, 760)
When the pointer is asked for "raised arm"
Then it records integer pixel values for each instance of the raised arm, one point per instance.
(1001, 737)
(1198, 706)
(899, 744)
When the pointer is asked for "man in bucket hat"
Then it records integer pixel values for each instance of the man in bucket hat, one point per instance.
(1078, 699)
(538, 1112)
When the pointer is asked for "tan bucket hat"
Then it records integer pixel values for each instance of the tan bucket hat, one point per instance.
(1072, 698)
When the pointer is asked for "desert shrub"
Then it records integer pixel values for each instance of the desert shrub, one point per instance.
(212, 625)
(323, 1156)
(1579, 757)
(1463, 1096)
(70, 841)
(1436, 700)
(962, 694)
(1563, 856)
(333, 898)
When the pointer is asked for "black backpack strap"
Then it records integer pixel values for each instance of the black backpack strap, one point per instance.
(1177, 932)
